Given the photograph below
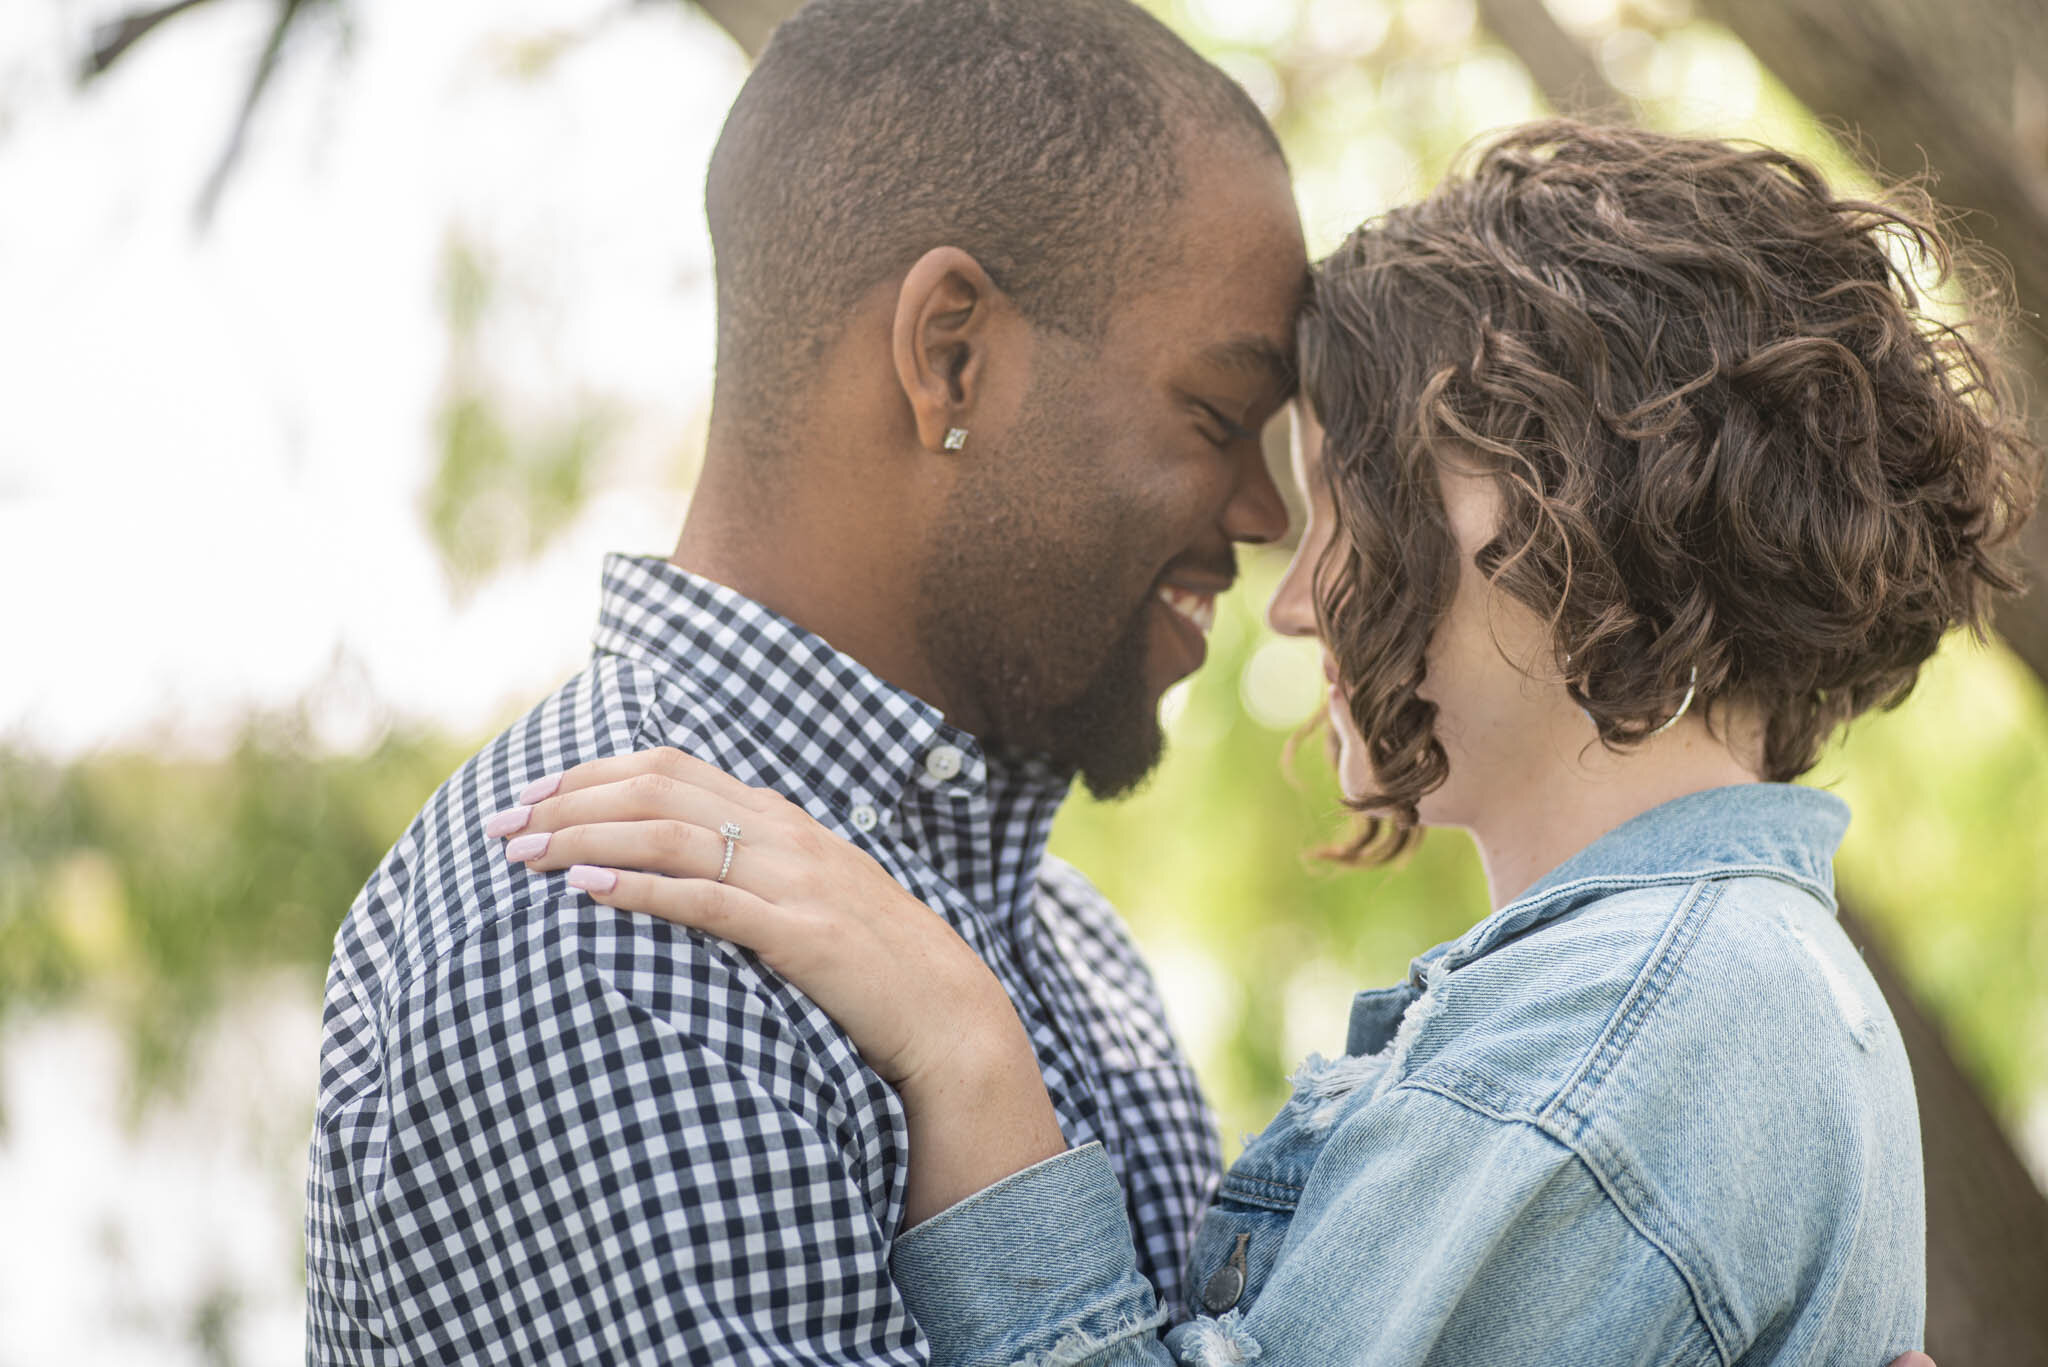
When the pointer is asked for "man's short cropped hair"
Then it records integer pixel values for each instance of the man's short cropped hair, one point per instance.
(1044, 137)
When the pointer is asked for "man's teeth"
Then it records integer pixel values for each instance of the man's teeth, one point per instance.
(1198, 608)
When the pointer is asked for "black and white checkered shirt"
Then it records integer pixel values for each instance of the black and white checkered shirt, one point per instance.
(549, 1131)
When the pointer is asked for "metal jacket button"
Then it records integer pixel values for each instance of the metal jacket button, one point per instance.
(1226, 1284)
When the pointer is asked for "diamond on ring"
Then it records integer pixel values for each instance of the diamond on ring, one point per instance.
(731, 831)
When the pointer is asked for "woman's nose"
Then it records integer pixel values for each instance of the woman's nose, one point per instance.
(1293, 611)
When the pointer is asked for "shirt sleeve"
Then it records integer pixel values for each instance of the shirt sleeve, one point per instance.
(1430, 1233)
(609, 1142)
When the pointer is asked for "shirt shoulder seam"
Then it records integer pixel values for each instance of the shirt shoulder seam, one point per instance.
(432, 953)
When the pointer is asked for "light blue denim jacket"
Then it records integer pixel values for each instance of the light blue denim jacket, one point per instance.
(1654, 1111)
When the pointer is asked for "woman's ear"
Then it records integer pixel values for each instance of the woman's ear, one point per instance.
(945, 310)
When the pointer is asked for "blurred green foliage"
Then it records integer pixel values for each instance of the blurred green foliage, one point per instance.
(154, 889)
(1948, 855)
(502, 488)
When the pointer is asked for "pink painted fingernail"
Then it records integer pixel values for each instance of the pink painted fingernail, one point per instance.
(527, 846)
(505, 822)
(591, 879)
(540, 789)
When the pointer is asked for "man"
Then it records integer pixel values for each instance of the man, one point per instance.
(1005, 293)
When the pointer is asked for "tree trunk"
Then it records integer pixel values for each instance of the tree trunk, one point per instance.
(1987, 1223)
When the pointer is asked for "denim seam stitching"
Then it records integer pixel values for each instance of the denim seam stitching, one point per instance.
(1565, 1141)
(1247, 1190)
(1624, 1185)
(1481, 1091)
(1709, 1354)
(1660, 966)
(1630, 881)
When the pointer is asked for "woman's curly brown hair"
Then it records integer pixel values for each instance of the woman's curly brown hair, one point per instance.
(1728, 436)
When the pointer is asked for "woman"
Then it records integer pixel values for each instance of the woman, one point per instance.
(1635, 468)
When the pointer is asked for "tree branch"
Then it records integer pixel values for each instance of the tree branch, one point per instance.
(288, 13)
(1570, 79)
(749, 21)
(111, 40)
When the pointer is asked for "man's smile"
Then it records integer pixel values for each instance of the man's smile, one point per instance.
(1196, 608)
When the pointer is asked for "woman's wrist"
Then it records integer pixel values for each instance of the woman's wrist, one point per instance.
(975, 1117)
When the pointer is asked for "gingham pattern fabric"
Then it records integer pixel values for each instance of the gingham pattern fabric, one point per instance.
(552, 1132)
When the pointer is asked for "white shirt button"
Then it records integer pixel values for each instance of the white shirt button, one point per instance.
(943, 762)
(864, 818)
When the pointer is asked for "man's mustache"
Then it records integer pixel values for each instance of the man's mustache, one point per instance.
(1220, 571)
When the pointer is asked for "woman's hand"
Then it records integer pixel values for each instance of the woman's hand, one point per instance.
(642, 833)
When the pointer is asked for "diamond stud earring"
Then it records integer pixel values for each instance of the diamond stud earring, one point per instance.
(956, 437)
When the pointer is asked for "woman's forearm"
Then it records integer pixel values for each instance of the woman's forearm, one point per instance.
(977, 1116)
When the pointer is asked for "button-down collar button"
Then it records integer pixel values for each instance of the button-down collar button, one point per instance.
(864, 818)
(943, 762)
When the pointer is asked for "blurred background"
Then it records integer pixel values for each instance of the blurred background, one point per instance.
(340, 338)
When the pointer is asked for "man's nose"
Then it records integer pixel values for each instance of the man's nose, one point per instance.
(1256, 512)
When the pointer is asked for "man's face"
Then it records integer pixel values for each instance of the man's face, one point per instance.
(1074, 577)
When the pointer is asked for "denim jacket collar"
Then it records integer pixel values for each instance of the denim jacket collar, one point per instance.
(1769, 830)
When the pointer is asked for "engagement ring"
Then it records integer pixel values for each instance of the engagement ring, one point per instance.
(731, 831)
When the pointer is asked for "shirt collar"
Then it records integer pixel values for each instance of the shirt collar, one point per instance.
(1769, 830)
(843, 734)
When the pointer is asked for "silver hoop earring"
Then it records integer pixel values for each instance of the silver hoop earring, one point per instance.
(1568, 686)
(956, 438)
(1692, 686)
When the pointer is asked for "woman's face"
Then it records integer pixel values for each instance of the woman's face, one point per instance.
(1503, 716)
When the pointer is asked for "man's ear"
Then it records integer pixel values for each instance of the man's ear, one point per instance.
(945, 315)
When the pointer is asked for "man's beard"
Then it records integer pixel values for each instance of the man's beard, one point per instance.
(1015, 616)
(1107, 733)
(1110, 734)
